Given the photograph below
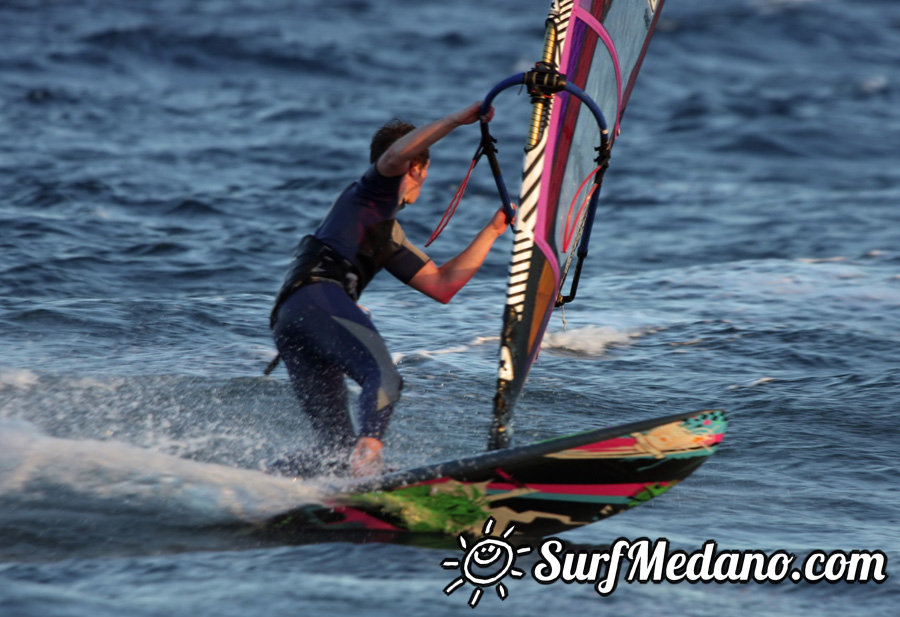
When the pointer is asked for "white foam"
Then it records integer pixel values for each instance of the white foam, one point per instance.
(18, 378)
(753, 384)
(453, 349)
(33, 464)
(588, 340)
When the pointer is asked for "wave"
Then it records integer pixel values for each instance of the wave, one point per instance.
(85, 496)
(589, 340)
(211, 49)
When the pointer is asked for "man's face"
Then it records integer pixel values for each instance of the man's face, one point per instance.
(415, 178)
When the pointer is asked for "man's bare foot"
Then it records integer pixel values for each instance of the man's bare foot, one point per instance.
(367, 459)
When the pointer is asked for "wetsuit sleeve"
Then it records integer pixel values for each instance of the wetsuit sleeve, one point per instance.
(407, 259)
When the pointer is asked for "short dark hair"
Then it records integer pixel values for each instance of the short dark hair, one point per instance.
(388, 134)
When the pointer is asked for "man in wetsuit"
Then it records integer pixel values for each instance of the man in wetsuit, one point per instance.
(321, 333)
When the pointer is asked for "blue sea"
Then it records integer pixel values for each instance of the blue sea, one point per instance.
(159, 161)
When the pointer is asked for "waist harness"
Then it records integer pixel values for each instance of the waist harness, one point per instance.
(316, 261)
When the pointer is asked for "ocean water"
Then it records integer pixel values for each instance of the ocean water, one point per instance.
(159, 160)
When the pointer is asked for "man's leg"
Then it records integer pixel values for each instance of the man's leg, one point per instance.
(322, 335)
(322, 392)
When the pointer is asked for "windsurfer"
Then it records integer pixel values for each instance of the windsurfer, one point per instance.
(321, 333)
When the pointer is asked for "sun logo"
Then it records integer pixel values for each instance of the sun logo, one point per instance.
(485, 563)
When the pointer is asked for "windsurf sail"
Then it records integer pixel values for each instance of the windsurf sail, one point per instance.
(593, 50)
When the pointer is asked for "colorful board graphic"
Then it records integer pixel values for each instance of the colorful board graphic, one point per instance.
(543, 488)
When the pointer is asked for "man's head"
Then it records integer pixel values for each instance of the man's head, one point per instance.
(388, 134)
(418, 170)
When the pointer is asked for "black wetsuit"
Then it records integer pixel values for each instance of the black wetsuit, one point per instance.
(321, 333)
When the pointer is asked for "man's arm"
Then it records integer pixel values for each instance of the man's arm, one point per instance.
(442, 283)
(397, 159)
